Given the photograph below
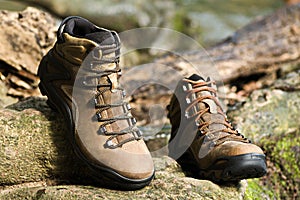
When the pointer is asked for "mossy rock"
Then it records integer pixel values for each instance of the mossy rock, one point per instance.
(38, 163)
(271, 119)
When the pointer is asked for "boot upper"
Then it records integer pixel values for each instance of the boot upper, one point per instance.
(83, 67)
(200, 125)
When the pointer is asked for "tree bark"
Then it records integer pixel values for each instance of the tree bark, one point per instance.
(263, 46)
(269, 46)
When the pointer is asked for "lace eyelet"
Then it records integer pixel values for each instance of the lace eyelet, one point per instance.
(110, 143)
(212, 145)
(137, 134)
(99, 116)
(187, 114)
(123, 94)
(188, 100)
(102, 130)
(95, 102)
(126, 107)
(190, 113)
(133, 121)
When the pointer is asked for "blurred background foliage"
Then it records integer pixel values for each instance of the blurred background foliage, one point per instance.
(207, 21)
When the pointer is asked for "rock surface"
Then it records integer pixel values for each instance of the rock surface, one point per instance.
(4, 99)
(271, 118)
(25, 37)
(37, 162)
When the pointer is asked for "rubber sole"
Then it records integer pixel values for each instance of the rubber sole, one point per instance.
(104, 176)
(227, 169)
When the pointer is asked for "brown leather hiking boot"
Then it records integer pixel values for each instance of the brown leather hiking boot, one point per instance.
(202, 139)
(80, 77)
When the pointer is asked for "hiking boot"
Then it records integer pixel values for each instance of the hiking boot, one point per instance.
(80, 77)
(203, 141)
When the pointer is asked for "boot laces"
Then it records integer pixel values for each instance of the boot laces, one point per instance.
(97, 74)
(203, 125)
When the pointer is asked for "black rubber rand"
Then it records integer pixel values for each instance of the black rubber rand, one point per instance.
(227, 169)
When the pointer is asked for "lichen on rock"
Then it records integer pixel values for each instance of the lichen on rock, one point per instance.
(270, 118)
(37, 161)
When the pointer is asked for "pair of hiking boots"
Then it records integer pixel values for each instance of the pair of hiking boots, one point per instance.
(80, 77)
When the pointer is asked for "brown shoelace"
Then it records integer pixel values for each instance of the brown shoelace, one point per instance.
(201, 86)
(98, 73)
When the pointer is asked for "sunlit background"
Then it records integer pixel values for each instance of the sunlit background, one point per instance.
(207, 21)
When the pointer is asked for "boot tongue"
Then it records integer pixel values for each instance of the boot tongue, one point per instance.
(78, 49)
(101, 38)
(212, 114)
(213, 108)
(196, 77)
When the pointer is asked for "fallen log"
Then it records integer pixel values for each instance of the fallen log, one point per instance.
(263, 46)
(268, 47)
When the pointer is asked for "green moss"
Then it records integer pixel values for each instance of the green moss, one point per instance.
(181, 22)
(270, 118)
(287, 149)
(34, 152)
(255, 191)
(283, 153)
(22, 132)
